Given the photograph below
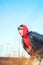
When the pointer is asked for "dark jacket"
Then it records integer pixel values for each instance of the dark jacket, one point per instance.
(36, 42)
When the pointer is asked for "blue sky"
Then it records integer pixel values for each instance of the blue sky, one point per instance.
(12, 14)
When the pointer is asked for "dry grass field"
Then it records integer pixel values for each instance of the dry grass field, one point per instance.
(19, 61)
(12, 61)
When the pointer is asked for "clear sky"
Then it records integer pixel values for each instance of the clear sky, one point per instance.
(12, 14)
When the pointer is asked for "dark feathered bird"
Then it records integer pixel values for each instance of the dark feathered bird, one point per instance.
(32, 41)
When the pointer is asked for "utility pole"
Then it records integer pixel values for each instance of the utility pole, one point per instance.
(19, 49)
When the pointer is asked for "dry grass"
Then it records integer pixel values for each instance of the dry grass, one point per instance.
(19, 61)
(12, 61)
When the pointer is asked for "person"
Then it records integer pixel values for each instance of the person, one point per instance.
(32, 41)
